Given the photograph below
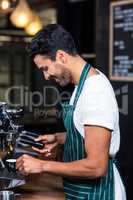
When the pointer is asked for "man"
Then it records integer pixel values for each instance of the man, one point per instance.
(91, 119)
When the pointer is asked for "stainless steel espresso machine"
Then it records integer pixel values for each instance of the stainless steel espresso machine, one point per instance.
(13, 140)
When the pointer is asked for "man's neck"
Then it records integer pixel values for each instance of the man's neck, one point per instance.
(76, 65)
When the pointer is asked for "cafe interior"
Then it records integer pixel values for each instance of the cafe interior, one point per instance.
(29, 106)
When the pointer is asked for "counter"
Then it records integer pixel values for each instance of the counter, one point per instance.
(42, 187)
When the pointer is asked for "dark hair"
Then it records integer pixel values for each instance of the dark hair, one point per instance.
(50, 39)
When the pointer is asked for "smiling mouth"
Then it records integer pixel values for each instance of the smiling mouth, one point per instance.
(54, 78)
(57, 80)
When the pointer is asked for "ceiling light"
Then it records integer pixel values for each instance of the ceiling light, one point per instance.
(22, 15)
(34, 26)
(5, 4)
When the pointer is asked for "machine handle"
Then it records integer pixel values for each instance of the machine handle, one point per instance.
(30, 142)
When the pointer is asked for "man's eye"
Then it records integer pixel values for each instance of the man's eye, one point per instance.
(44, 69)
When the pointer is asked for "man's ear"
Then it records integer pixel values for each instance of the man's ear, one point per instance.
(61, 56)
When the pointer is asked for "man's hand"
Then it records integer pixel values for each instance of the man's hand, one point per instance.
(50, 142)
(27, 164)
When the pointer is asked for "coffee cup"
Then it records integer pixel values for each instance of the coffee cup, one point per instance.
(7, 195)
(11, 165)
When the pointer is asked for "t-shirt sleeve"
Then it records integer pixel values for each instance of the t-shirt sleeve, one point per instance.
(98, 106)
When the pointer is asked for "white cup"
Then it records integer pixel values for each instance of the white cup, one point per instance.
(7, 195)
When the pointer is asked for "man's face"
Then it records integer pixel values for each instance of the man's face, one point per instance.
(53, 70)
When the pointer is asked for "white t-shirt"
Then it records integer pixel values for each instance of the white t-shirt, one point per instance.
(97, 106)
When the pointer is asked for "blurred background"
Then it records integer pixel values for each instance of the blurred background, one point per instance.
(103, 31)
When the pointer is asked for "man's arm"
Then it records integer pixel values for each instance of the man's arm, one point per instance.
(97, 142)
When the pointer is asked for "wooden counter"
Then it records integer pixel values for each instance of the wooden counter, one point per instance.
(42, 187)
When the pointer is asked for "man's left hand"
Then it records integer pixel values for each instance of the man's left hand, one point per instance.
(28, 165)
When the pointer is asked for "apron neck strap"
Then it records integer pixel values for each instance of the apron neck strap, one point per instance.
(83, 76)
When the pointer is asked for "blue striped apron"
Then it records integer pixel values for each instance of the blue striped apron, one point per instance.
(74, 149)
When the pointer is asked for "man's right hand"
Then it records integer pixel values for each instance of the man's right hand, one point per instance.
(50, 142)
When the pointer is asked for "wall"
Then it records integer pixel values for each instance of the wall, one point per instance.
(78, 18)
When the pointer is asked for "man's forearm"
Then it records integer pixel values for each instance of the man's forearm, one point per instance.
(76, 169)
(60, 137)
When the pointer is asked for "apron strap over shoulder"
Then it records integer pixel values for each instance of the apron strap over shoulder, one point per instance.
(84, 74)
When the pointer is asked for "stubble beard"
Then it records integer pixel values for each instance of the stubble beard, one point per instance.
(65, 78)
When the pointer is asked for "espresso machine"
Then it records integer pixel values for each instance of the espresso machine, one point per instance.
(13, 141)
